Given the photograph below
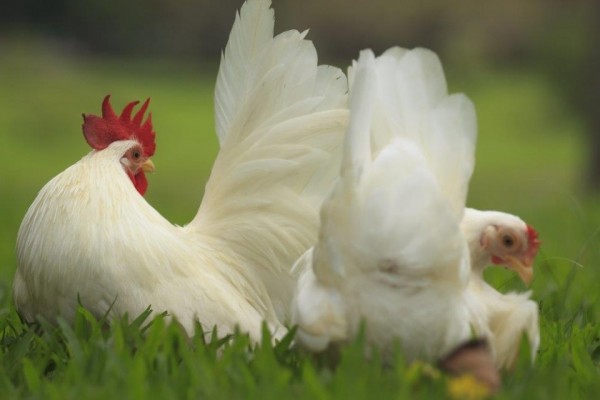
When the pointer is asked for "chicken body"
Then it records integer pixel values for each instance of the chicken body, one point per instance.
(279, 119)
(123, 256)
(397, 248)
(390, 251)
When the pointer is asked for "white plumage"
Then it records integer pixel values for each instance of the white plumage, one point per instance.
(394, 249)
(90, 234)
(390, 249)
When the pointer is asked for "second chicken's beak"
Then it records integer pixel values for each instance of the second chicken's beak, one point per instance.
(148, 166)
(522, 267)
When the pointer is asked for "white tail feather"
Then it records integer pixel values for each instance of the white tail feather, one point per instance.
(413, 103)
(357, 146)
(246, 42)
(280, 120)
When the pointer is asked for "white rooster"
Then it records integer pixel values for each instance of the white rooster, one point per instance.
(391, 248)
(280, 119)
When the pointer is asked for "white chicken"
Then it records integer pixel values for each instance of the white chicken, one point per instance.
(391, 248)
(89, 232)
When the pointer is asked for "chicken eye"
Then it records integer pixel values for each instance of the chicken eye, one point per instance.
(136, 154)
(508, 241)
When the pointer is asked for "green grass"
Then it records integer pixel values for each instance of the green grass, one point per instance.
(529, 159)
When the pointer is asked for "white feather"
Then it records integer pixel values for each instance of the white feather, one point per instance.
(280, 138)
(320, 309)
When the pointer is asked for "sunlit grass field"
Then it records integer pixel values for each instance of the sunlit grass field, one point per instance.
(530, 155)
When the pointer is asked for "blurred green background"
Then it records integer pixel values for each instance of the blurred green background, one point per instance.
(530, 67)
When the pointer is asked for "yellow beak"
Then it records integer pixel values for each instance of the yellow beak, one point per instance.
(524, 269)
(148, 166)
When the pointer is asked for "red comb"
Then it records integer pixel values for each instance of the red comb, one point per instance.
(532, 237)
(100, 132)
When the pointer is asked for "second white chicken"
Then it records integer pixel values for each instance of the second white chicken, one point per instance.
(397, 248)
(390, 250)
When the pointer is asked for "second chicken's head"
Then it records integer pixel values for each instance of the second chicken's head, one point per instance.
(513, 244)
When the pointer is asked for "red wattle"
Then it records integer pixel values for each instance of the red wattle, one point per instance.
(141, 183)
(497, 260)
